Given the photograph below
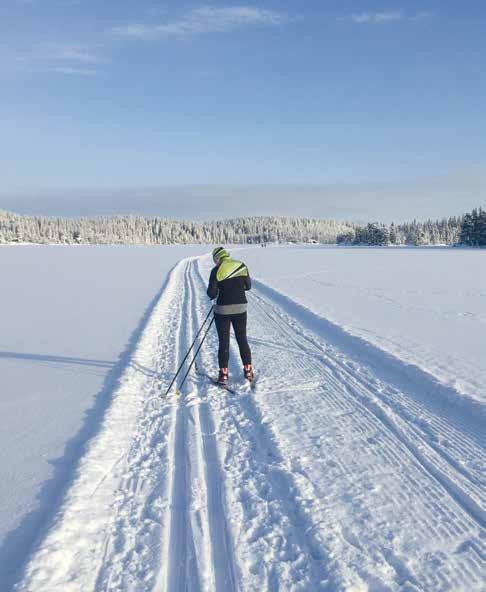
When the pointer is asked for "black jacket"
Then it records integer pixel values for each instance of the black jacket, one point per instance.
(229, 291)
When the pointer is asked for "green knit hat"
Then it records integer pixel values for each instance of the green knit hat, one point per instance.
(219, 253)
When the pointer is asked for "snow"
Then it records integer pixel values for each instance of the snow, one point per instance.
(425, 306)
(346, 468)
(71, 316)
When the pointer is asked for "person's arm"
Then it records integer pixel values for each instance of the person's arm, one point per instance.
(212, 290)
(248, 281)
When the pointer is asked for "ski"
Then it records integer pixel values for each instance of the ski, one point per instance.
(226, 387)
(251, 384)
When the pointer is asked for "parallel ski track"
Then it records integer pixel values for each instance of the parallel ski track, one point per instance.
(443, 468)
(412, 431)
(322, 478)
(410, 423)
(221, 544)
(198, 550)
(188, 546)
(275, 546)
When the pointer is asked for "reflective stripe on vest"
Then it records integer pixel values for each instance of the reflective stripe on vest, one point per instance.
(230, 268)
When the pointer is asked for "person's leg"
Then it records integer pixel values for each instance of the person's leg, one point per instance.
(223, 323)
(239, 326)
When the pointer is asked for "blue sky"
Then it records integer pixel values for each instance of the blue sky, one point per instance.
(135, 94)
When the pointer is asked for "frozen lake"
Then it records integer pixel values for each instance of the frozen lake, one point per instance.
(91, 334)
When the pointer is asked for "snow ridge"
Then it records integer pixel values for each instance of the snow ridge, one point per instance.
(79, 538)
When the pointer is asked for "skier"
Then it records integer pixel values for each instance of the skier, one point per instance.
(229, 281)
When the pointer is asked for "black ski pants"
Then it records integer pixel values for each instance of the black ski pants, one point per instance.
(223, 324)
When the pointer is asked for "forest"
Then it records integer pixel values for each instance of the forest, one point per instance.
(469, 229)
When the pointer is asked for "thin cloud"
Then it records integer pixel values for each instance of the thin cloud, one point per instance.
(377, 18)
(71, 71)
(75, 54)
(63, 59)
(424, 14)
(203, 20)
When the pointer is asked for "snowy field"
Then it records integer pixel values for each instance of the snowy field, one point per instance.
(425, 306)
(70, 319)
(355, 464)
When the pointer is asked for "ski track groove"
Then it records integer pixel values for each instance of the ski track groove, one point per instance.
(346, 380)
(222, 547)
(176, 551)
(361, 389)
(333, 481)
(263, 470)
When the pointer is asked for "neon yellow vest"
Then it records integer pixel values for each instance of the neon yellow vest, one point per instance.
(230, 268)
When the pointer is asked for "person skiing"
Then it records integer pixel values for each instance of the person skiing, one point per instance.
(229, 280)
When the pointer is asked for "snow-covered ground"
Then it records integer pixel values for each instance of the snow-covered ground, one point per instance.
(345, 468)
(425, 306)
(70, 319)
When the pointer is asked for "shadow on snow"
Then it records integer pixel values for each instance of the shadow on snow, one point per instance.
(20, 542)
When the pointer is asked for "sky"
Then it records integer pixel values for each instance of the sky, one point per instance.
(348, 109)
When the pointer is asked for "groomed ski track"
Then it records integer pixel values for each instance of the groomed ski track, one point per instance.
(325, 477)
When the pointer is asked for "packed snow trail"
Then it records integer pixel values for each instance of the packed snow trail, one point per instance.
(323, 478)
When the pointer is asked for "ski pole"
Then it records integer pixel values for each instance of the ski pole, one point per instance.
(189, 351)
(195, 355)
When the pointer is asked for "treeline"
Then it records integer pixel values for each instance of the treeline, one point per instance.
(15, 228)
(469, 229)
(473, 230)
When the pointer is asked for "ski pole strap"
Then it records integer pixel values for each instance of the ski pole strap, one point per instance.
(188, 351)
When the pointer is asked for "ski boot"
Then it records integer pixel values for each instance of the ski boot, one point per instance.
(248, 372)
(223, 376)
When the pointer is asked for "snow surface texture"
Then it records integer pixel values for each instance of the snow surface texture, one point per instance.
(328, 476)
(70, 319)
(426, 306)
